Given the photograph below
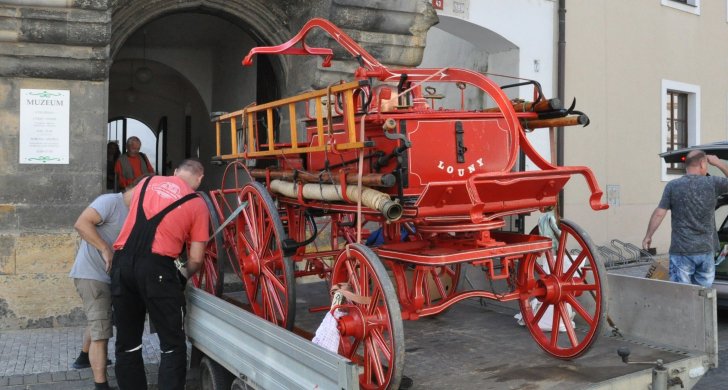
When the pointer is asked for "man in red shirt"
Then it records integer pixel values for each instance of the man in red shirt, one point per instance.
(132, 164)
(165, 214)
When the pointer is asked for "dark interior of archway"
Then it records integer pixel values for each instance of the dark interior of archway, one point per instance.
(195, 59)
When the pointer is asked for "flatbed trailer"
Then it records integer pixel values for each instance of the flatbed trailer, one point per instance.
(463, 348)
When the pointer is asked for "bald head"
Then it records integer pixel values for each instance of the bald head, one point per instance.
(133, 145)
(694, 158)
(191, 171)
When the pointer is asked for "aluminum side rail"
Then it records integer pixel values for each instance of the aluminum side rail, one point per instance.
(266, 355)
(672, 316)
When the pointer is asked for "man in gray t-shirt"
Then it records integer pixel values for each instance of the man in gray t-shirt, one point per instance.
(692, 200)
(99, 226)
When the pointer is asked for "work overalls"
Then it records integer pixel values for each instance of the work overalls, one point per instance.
(142, 281)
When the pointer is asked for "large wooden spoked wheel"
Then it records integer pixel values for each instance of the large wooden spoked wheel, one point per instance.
(371, 333)
(266, 273)
(564, 286)
(210, 276)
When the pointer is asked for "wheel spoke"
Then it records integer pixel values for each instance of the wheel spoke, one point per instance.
(559, 266)
(375, 362)
(274, 298)
(576, 306)
(574, 265)
(266, 243)
(374, 302)
(365, 285)
(579, 287)
(384, 347)
(555, 327)
(271, 275)
(539, 313)
(540, 271)
(353, 279)
(438, 284)
(567, 324)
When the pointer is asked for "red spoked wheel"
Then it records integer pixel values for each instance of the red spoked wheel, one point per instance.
(371, 333)
(210, 276)
(566, 285)
(266, 272)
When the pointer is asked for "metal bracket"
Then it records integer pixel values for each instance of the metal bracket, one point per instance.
(460, 148)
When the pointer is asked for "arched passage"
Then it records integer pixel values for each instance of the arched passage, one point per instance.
(174, 71)
(459, 43)
(262, 20)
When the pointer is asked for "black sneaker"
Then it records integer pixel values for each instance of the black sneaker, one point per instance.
(81, 363)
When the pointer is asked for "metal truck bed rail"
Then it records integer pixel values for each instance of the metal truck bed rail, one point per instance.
(260, 352)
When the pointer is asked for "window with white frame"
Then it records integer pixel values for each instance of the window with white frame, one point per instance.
(690, 6)
(680, 121)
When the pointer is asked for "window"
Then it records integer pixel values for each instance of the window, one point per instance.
(677, 126)
(690, 6)
(680, 122)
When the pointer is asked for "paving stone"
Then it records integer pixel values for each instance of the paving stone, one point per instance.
(85, 374)
(15, 380)
(30, 379)
(45, 377)
(58, 376)
(73, 375)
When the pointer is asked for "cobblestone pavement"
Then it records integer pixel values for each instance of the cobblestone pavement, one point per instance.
(38, 359)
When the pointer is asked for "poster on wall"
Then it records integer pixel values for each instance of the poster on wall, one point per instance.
(44, 126)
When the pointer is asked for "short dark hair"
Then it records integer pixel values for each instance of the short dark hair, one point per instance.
(694, 158)
(192, 165)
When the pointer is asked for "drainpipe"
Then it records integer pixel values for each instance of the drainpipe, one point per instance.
(560, 81)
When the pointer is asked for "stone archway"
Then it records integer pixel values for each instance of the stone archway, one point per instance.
(262, 19)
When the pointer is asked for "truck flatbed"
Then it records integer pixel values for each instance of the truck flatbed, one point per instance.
(472, 345)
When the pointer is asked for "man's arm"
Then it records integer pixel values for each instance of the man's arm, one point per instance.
(196, 255)
(718, 163)
(655, 220)
(86, 227)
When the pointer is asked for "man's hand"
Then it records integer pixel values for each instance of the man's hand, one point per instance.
(86, 227)
(718, 163)
(646, 242)
(655, 220)
(182, 268)
(107, 254)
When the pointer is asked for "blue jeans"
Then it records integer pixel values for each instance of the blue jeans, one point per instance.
(696, 269)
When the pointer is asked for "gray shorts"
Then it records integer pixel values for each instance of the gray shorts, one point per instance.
(96, 297)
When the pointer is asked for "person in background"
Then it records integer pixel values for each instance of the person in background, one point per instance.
(165, 214)
(132, 164)
(694, 239)
(112, 154)
(99, 226)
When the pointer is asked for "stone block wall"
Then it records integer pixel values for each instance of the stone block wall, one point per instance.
(39, 204)
(51, 45)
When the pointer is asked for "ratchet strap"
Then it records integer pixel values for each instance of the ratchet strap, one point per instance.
(228, 220)
(345, 290)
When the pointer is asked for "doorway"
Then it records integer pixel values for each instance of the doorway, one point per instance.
(174, 71)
